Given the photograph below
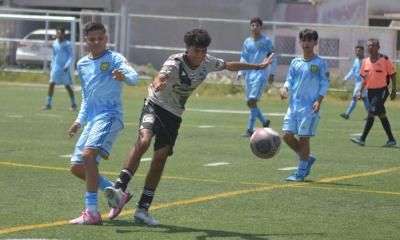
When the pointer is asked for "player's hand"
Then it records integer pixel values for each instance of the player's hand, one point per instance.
(284, 93)
(393, 95)
(359, 95)
(239, 77)
(158, 85)
(118, 75)
(267, 61)
(316, 106)
(66, 69)
(73, 129)
(271, 78)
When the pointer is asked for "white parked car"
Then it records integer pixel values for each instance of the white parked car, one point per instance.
(33, 50)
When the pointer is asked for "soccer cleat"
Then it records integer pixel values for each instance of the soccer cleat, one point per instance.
(267, 123)
(358, 141)
(247, 134)
(311, 161)
(143, 216)
(73, 108)
(389, 144)
(87, 219)
(46, 107)
(296, 177)
(345, 116)
(114, 196)
(124, 199)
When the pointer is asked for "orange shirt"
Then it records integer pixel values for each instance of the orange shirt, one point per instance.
(375, 73)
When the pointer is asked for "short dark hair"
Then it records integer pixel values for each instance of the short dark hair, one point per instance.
(256, 20)
(308, 34)
(375, 41)
(359, 47)
(198, 38)
(61, 29)
(93, 26)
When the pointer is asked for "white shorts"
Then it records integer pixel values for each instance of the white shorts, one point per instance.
(99, 134)
(301, 122)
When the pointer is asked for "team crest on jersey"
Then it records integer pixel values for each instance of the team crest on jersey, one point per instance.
(104, 66)
(314, 68)
(261, 45)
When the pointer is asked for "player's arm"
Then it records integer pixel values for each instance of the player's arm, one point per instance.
(123, 71)
(159, 83)
(69, 55)
(81, 118)
(236, 66)
(394, 86)
(287, 86)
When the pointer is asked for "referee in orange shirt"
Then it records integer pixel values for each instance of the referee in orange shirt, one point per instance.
(376, 70)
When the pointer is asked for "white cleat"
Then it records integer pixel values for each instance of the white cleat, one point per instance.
(143, 216)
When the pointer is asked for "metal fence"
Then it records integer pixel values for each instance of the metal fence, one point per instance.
(151, 39)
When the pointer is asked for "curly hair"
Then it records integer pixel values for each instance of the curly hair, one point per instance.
(198, 38)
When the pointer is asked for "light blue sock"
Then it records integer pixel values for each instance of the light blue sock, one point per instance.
(261, 117)
(252, 119)
(366, 104)
(48, 100)
(302, 165)
(104, 182)
(73, 102)
(91, 202)
(351, 107)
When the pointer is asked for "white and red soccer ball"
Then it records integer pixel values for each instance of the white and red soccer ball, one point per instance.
(265, 142)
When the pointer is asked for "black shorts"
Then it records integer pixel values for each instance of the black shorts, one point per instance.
(163, 123)
(377, 98)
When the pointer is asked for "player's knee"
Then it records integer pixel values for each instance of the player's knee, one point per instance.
(287, 137)
(77, 170)
(143, 143)
(252, 103)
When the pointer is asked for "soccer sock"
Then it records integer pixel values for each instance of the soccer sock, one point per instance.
(124, 177)
(73, 102)
(252, 119)
(303, 164)
(368, 126)
(104, 183)
(366, 104)
(351, 107)
(48, 100)
(146, 198)
(386, 126)
(91, 202)
(260, 116)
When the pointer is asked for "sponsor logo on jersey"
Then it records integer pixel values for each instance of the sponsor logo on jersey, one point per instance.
(314, 68)
(104, 66)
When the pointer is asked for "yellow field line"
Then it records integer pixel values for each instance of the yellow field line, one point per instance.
(209, 197)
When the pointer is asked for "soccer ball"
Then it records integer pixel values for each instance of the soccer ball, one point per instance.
(265, 142)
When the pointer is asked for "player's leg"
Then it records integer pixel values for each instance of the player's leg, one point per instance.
(381, 111)
(71, 97)
(364, 98)
(373, 98)
(49, 98)
(350, 109)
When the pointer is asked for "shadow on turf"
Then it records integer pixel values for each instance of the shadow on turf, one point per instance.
(203, 234)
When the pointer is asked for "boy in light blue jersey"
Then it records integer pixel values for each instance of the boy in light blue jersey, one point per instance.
(307, 83)
(355, 72)
(102, 73)
(255, 49)
(60, 68)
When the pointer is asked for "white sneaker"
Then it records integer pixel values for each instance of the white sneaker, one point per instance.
(143, 216)
(114, 196)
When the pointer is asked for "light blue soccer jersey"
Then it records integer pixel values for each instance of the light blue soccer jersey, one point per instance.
(101, 94)
(355, 73)
(306, 81)
(255, 52)
(62, 57)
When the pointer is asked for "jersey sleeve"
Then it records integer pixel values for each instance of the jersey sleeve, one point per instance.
(324, 78)
(81, 118)
(352, 72)
(131, 76)
(170, 67)
(290, 77)
(390, 68)
(214, 64)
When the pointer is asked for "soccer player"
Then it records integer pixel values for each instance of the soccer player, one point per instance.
(102, 73)
(376, 71)
(180, 75)
(255, 49)
(355, 72)
(60, 68)
(307, 83)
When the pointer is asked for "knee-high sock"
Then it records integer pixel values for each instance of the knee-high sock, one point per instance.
(367, 127)
(252, 119)
(91, 202)
(260, 116)
(104, 182)
(351, 107)
(386, 126)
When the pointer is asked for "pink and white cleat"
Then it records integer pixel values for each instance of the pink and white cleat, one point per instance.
(87, 219)
(116, 200)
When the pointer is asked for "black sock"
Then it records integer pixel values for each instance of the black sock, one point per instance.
(146, 198)
(124, 177)
(386, 126)
(367, 128)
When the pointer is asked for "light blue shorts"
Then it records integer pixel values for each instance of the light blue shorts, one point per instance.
(99, 134)
(302, 122)
(60, 77)
(356, 88)
(255, 86)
